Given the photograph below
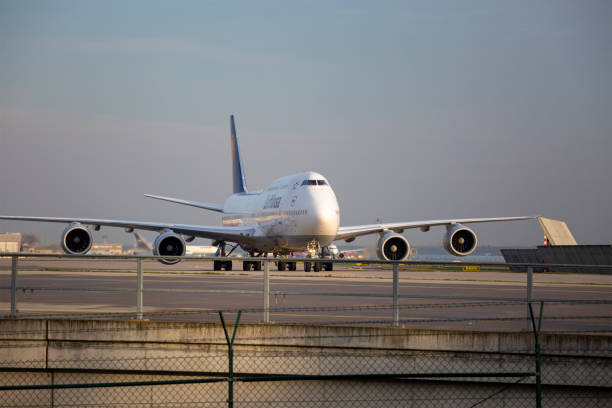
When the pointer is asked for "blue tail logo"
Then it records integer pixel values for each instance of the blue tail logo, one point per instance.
(238, 169)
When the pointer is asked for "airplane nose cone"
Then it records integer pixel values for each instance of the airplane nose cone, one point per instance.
(326, 221)
(323, 218)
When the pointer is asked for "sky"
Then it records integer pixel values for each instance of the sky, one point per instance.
(413, 110)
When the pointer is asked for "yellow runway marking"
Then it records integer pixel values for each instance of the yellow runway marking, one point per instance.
(328, 316)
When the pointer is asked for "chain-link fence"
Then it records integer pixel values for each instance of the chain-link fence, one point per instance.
(272, 370)
(466, 348)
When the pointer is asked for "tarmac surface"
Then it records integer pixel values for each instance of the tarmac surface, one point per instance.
(350, 295)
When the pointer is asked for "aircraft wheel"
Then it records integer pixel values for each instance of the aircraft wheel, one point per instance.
(217, 265)
(293, 266)
(257, 265)
(317, 266)
(329, 266)
(228, 265)
(246, 266)
(306, 266)
(282, 265)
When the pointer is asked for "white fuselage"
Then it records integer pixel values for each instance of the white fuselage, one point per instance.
(296, 212)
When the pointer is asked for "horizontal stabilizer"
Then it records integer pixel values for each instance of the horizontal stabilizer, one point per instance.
(206, 206)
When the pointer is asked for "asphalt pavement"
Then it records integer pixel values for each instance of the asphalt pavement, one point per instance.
(350, 295)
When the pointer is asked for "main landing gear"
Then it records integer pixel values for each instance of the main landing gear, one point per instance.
(251, 265)
(219, 265)
(288, 265)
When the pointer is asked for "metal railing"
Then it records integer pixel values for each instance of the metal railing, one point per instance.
(266, 292)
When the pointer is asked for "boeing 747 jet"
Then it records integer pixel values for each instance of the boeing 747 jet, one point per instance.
(294, 213)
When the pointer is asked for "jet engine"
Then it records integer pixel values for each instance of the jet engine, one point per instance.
(169, 243)
(392, 247)
(76, 239)
(460, 240)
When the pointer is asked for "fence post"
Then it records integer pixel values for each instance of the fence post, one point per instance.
(139, 284)
(230, 357)
(13, 286)
(538, 357)
(395, 295)
(529, 296)
(266, 291)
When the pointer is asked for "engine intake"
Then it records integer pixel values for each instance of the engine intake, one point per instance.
(76, 239)
(460, 240)
(169, 243)
(392, 247)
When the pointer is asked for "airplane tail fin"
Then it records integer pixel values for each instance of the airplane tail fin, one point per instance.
(238, 169)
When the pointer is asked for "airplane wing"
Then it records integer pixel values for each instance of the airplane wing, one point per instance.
(349, 233)
(232, 234)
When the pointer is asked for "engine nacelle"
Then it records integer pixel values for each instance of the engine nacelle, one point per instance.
(169, 243)
(76, 239)
(392, 247)
(460, 240)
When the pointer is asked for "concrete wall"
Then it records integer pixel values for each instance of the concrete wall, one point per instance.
(138, 350)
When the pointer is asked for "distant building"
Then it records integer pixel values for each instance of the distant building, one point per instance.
(200, 250)
(106, 249)
(48, 251)
(556, 232)
(10, 242)
(559, 247)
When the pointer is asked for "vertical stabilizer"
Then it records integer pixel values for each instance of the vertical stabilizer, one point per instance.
(238, 169)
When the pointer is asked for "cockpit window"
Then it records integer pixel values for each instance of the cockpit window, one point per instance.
(314, 182)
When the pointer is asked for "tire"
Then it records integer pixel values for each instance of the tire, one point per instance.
(228, 265)
(293, 266)
(282, 265)
(306, 266)
(246, 266)
(217, 265)
(329, 266)
(317, 267)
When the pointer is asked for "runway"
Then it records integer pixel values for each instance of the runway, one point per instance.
(350, 295)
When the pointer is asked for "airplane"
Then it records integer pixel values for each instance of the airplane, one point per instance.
(294, 213)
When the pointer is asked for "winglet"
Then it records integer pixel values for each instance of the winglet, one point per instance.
(238, 170)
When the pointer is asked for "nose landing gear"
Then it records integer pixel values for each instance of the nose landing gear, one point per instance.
(318, 266)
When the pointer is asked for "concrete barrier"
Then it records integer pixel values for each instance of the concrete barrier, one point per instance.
(64, 351)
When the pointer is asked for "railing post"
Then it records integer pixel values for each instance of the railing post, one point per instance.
(395, 295)
(266, 291)
(230, 358)
(13, 286)
(538, 356)
(529, 295)
(139, 288)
